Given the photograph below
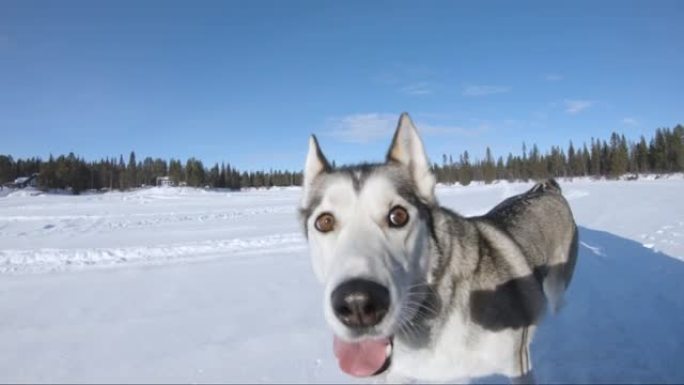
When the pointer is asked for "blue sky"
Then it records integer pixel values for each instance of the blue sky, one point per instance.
(247, 82)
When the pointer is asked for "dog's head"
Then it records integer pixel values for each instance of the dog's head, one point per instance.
(368, 228)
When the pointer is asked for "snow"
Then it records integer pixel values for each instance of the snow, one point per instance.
(187, 285)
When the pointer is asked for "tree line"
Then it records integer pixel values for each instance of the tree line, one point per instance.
(74, 173)
(663, 153)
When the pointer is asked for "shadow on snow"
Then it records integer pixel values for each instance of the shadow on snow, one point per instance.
(623, 320)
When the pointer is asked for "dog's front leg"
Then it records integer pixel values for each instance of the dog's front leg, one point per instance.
(527, 378)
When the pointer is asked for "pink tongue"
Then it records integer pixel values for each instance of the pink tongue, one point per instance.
(363, 358)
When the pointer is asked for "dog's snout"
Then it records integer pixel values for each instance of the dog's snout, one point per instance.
(359, 303)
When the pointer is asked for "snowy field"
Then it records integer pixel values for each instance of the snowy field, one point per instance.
(183, 285)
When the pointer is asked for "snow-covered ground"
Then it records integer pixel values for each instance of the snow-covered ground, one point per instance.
(184, 285)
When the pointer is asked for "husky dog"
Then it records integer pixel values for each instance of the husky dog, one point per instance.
(417, 292)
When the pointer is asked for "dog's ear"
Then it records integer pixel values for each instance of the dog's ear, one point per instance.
(315, 165)
(407, 150)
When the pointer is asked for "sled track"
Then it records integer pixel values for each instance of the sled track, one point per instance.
(20, 261)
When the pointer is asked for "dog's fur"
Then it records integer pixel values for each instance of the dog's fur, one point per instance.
(466, 293)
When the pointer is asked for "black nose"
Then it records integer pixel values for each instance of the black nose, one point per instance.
(360, 303)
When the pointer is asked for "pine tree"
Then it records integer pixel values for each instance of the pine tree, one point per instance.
(132, 171)
(595, 158)
(525, 169)
(617, 156)
(658, 152)
(176, 172)
(6, 169)
(214, 176)
(632, 165)
(500, 169)
(642, 156)
(488, 167)
(465, 175)
(556, 162)
(194, 173)
(222, 177)
(536, 167)
(678, 148)
(572, 161)
(46, 179)
(604, 158)
(121, 172)
(512, 167)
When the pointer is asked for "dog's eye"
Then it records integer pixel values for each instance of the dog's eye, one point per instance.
(325, 222)
(398, 217)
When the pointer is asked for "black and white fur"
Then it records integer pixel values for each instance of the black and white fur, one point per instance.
(466, 293)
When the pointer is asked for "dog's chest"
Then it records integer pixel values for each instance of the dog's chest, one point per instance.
(460, 352)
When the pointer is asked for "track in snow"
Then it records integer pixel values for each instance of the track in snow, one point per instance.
(52, 259)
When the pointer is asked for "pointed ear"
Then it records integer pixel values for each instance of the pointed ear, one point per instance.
(407, 150)
(315, 165)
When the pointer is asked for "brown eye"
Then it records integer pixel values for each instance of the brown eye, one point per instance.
(398, 217)
(325, 222)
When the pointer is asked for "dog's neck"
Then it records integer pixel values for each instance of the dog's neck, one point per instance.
(447, 285)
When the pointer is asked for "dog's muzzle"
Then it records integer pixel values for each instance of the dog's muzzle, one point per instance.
(360, 305)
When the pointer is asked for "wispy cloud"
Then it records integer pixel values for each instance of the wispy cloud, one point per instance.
(552, 77)
(630, 121)
(366, 128)
(483, 90)
(417, 89)
(408, 79)
(577, 106)
(362, 128)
